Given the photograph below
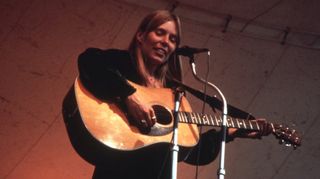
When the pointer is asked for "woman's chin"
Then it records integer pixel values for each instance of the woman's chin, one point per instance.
(157, 60)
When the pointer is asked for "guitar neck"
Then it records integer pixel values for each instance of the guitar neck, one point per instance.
(209, 120)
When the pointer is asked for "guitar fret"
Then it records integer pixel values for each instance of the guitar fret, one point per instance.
(195, 117)
(198, 118)
(247, 123)
(192, 117)
(205, 120)
(181, 117)
(238, 123)
(257, 126)
(227, 122)
(186, 117)
(184, 114)
(211, 120)
(232, 122)
(244, 124)
(272, 126)
(241, 123)
(201, 121)
(250, 125)
(215, 117)
(189, 117)
(221, 120)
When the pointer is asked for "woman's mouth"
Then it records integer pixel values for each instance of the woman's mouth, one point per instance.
(160, 51)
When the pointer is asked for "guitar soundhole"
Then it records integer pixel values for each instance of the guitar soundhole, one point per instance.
(163, 114)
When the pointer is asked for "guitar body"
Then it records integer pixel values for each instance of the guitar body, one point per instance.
(101, 131)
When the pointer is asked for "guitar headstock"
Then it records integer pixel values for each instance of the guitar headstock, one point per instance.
(289, 137)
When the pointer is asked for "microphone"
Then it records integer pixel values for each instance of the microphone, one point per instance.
(189, 51)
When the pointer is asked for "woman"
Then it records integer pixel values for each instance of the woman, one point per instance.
(150, 61)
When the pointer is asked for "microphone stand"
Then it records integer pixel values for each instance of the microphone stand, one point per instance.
(221, 171)
(175, 147)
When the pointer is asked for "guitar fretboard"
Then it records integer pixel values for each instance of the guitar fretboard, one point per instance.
(209, 120)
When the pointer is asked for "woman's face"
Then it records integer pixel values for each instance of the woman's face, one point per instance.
(159, 44)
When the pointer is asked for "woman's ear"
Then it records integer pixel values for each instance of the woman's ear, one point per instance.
(140, 36)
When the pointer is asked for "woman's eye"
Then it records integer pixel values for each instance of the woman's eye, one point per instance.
(160, 32)
(173, 38)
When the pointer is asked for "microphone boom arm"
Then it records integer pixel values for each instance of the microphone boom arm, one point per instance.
(221, 171)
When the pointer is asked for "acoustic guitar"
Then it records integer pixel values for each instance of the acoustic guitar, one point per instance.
(108, 123)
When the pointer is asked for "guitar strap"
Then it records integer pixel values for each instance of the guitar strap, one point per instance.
(214, 102)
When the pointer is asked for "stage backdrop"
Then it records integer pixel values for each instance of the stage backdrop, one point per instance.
(41, 40)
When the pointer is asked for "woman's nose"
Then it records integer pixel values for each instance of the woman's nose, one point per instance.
(166, 40)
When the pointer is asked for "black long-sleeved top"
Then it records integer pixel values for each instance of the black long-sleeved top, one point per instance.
(105, 73)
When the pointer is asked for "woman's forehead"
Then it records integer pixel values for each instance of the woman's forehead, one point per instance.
(169, 26)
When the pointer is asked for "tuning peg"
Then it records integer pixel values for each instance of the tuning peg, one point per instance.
(288, 145)
(281, 141)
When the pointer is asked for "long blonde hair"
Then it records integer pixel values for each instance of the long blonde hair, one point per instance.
(170, 68)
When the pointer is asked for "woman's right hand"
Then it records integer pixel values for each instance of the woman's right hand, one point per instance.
(143, 114)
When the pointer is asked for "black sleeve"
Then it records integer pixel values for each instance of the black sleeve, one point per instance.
(207, 148)
(99, 72)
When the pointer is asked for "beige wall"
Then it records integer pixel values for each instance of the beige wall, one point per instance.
(40, 42)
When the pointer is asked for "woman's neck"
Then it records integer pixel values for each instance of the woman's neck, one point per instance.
(147, 71)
